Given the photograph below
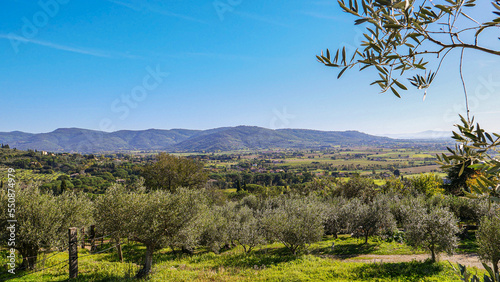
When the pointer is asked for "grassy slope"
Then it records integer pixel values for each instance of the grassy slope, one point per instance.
(269, 263)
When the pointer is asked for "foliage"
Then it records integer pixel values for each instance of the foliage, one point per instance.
(397, 186)
(112, 213)
(433, 228)
(336, 216)
(220, 227)
(466, 276)
(473, 152)
(401, 34)
(159, 218)
(356, 187)
(170, 172)
(466, 210)
(369, 219)
(43, 220)
(488, 239)
(249, 231)
(427, 184)
(294, 221)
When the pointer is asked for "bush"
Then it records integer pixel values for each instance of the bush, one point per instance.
(248, 230)
(294, 221)
(43, 220)
(220, 227)
(427, 184)
(336, 217)
(433, 228)
(488, 239)
(467, 210)
(356, 187)
(370, 219)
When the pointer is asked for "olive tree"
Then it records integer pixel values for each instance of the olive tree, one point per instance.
(488, 239)
(220, 227)
(370, 219)
(294, 221)
(433, 228)
(158, 219)
(112, 214)
(43, 220)
(336, 216)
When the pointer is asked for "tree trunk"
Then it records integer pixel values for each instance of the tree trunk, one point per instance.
(186, 250)
(433, 255)
(495, 266)
(119, 249)
(29, 258)
(148, 263)
(366, 238)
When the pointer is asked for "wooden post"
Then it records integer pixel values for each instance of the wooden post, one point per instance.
(92, 238)
(73, 252)
(83, 237)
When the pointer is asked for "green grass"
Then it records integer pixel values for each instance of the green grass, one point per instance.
(346, 246)
(267, 263)
(468, 245)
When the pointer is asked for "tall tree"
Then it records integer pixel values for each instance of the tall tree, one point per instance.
(170, 172)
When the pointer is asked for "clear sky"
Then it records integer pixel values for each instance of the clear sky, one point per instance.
(140, 64)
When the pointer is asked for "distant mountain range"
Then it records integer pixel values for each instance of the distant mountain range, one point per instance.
(184, 140)
(429, 134)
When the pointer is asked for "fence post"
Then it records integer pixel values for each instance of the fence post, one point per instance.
(83, 237)
(73, 252)
(92, 238)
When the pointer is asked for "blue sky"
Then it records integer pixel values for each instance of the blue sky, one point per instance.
(130, 64)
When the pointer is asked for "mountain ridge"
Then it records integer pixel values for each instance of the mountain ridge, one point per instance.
(184, 140)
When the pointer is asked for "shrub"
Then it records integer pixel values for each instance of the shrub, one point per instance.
(427, 184)
(370, 219)
(488, 239)
(356, 187)
(336, 217)
(248, 230)
(433, 228)
(43, 220)
(294, 221)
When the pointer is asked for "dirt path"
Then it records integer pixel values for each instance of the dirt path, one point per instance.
(465, 259)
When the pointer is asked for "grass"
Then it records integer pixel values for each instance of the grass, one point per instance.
(346, 246)
(468, 245)
(267, 263)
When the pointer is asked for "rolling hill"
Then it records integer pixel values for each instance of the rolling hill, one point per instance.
(184, 140)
